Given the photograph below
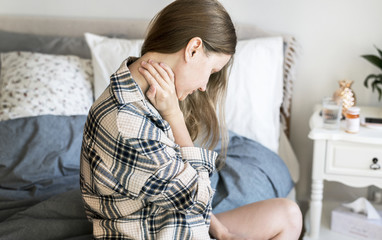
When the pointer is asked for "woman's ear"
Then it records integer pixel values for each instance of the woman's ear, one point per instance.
(193, 48)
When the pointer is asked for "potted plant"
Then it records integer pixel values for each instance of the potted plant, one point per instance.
(376, 79)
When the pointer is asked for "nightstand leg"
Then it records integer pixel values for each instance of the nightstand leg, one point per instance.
(316, 208)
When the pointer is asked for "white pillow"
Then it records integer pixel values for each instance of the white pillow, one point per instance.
(255, 90)
(255, 85)
(107, 56)
(33, 84)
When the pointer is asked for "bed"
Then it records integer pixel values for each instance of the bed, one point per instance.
(51, 71)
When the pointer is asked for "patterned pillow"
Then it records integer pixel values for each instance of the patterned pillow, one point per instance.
(34, 84)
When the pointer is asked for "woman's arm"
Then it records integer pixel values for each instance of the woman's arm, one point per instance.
(179, 129)
(162, 95)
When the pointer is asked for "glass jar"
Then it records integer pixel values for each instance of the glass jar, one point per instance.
(352, 119)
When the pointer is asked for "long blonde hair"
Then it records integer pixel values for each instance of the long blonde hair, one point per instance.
(170, 31)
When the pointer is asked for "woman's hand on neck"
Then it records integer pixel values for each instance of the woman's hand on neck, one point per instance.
(176, 121)
(169, 59)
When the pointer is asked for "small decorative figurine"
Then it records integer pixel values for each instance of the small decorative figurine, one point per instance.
(346, 94)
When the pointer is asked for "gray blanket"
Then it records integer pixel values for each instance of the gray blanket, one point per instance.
(251, 173)
(39, 178)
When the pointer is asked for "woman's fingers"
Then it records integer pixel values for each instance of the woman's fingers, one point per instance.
(149, 78)
(155, 71)
(151, 94)
(162, 92)
(165, 70)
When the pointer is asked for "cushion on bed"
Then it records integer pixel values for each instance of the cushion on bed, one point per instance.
(252, 173)
(107, 56)
(255, 90)
(254, 93)
(40, 155)
(37, 84)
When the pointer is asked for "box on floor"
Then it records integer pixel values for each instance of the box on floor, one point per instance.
(357, 225)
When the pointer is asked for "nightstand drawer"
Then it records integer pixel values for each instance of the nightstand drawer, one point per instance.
(354, 159)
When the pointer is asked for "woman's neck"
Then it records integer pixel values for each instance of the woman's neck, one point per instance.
(169, 59)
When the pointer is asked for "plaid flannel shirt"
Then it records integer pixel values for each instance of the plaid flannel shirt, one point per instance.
(136, 182)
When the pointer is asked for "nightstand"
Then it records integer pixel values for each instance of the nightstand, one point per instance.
(342, 157)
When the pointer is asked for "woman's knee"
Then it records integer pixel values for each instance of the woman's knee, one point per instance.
(292, 213)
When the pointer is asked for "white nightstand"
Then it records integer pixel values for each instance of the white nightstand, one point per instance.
(342, 157)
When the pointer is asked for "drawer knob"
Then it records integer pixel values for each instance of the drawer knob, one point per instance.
(375, 165)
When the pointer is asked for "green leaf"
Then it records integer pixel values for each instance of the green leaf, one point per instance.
(379, 94)
(379, 91)
(371, 76)
(379, 51)
(374, 85)
(374, 60)
(377, 80)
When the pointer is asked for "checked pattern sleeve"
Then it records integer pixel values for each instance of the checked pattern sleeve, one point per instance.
(180, 183)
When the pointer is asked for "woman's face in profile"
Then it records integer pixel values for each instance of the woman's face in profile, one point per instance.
(195, 76)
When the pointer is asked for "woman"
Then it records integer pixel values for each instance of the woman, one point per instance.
(141, 176)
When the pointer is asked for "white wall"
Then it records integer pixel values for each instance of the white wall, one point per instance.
(332, 33)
